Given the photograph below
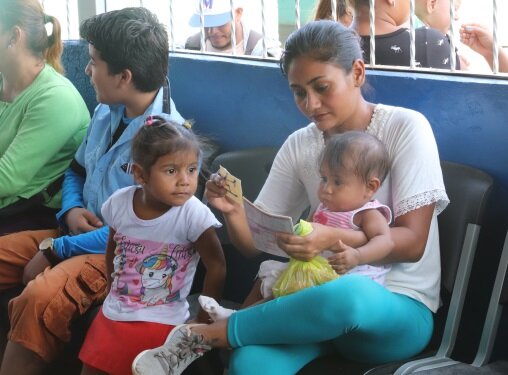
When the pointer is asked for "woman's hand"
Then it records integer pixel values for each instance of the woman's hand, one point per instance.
(215, 193)
(80, 220)
(306, 247)
(345, 259)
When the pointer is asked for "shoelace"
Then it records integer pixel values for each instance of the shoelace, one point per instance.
(190, 347)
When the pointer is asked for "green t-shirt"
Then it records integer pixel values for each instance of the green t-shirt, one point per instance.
(40, 132)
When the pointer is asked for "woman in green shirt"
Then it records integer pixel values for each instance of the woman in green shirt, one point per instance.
(42, 117)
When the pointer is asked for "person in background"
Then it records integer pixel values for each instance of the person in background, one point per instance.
(344, 12)
(64, 270)
(392, 40)
(43, 118)
(352, 168)
(479, 39)
(218, 31)
(436, 13)
(353, 315)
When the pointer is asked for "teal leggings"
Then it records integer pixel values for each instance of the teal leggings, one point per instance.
(352, 315)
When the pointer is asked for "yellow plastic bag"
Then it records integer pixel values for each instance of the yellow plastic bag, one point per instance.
(303, 274)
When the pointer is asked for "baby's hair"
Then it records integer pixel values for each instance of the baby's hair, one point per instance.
(158, 137)
(359, 153)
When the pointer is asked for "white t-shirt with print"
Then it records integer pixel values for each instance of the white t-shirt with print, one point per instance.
(415, 180)
(155, 260)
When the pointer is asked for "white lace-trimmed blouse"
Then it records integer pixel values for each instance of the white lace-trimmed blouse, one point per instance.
(415, 180)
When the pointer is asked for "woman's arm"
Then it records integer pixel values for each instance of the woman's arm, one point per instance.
(409, 234)
(233, 213)
(209, 248)
(321, 238)
(40, 139)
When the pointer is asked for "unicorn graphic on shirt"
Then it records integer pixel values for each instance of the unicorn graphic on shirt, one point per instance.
(156, 279)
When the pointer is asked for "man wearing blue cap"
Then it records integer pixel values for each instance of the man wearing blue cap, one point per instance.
(218, 30)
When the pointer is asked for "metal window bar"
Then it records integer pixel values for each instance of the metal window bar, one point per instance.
(372, 32)
(171, 26)
(334, 10)
(233, 27)
(297, 14)
(202, 20)
(412, 49)
(263, 28)
(495, 44)
(453, 56)
(68, 18)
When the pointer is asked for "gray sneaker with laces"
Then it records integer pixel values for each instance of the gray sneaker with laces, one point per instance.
(181, 348)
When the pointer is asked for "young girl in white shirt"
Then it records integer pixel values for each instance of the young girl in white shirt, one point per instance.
(158, 232)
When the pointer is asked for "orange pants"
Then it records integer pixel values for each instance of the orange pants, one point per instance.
(42, 315)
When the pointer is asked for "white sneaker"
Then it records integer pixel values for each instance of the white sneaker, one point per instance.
(182, 347)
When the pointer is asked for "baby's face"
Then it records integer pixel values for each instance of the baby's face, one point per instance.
(341, 191)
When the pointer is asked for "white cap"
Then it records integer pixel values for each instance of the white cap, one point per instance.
(216, 13)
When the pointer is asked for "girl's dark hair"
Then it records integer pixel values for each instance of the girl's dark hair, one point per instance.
(325, 41)
(159, 137)
(29, 16)
(357, 152)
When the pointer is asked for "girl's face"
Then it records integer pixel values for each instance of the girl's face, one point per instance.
(342, 192)
(325, 93)
(171, 181)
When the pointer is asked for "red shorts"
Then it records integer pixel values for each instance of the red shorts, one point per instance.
(111, 346)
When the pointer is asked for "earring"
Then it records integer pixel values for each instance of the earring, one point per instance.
(9, 46)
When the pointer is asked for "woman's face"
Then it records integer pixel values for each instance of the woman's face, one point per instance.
(324, 92)
(4, 45)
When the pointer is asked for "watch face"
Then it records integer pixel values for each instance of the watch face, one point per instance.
(46, 243)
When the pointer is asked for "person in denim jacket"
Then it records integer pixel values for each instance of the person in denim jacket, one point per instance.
(128, 68)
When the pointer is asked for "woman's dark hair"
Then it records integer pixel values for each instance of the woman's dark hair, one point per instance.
(159, 137)
(29, 16)
(324, 40)
(357, 152)
(134, 39)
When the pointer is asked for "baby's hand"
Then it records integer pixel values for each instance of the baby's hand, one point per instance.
(345, 259)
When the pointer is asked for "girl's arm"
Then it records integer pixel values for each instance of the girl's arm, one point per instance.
(110, 255)
(209, 248)
(377, 230)
(380, 244)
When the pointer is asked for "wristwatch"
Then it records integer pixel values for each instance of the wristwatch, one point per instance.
(46, 248)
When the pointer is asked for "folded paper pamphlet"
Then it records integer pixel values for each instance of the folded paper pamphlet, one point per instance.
(264, 225)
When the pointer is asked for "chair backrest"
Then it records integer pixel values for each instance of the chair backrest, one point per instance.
(468, 189)
(250, 165)
(459, 225)
(498, 298)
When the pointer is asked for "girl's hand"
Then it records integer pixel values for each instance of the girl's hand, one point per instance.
(345, 259)
(215, 193)
(304, 247)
